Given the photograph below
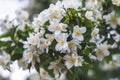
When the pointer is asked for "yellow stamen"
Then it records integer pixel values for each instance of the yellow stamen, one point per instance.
(78, 32)
(35, 40)
(116, 1)
(56, 27)
(29, 54)
(56, 10)
(71, 44)
(50, 39)
(6, 57)
(55, 68)
(94, 33)
(71, 60)
(44, 45)
(105, 47)
(61, 41)
(100, 52)
(44, 73)
(78, 59)
(113, 20)
(24, 17)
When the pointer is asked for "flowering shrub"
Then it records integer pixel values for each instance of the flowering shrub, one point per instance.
(63, 40)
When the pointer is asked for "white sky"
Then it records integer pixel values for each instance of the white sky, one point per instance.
(8, 7)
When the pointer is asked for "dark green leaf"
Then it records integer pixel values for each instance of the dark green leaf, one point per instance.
(37, 67)
(108, 59)
(86, 51)
(5, 44)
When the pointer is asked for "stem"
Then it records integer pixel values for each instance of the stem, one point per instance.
(83, 3)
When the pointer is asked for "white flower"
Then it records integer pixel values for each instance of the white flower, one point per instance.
(93, 57)
(95, 4)
(117, 38)
(6, 58)
(95, 32)
(56, 11)
(22, 26)
(112, 19)
(116, 2)
(63, 26)
(95, 35)
(24, 15)
(50, 38)
(38, 22)
(71, 4)
(33, 39)
(43, 44)
(78, 60)
(73, 60)
(102, 51)
(54, 26)
(62, 44)
(31, 56)
(23, 63)
(44, 75)
(77, 33)
(5, 26)
(89, 15)
(62, 76)
(98, 15)
(28, 55)
(40, 19)
(73, 45)
(35, 76)
(56, 67)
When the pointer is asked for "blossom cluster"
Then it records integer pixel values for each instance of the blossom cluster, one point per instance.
(69, 34)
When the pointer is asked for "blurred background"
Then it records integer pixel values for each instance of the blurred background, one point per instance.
(101, 71)
(9, 7)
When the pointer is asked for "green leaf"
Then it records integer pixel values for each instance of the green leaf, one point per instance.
(5, 44)
(70, 27)
(107, 2)
(45, 60)
(17, 52)
(29, 29)
(108, 59)
(87, 59)
(86, 51)
(87, 34)
(10, 49)
(50, 72)
(22, 35)
(118, 29)
(47, 23)
(92, 45)
(7, 34)
(88, 23)
(117, 9)
(114, 51)
(16, 56)
(70, 75)
(85, 68)
(29, 66)
(37, 67)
